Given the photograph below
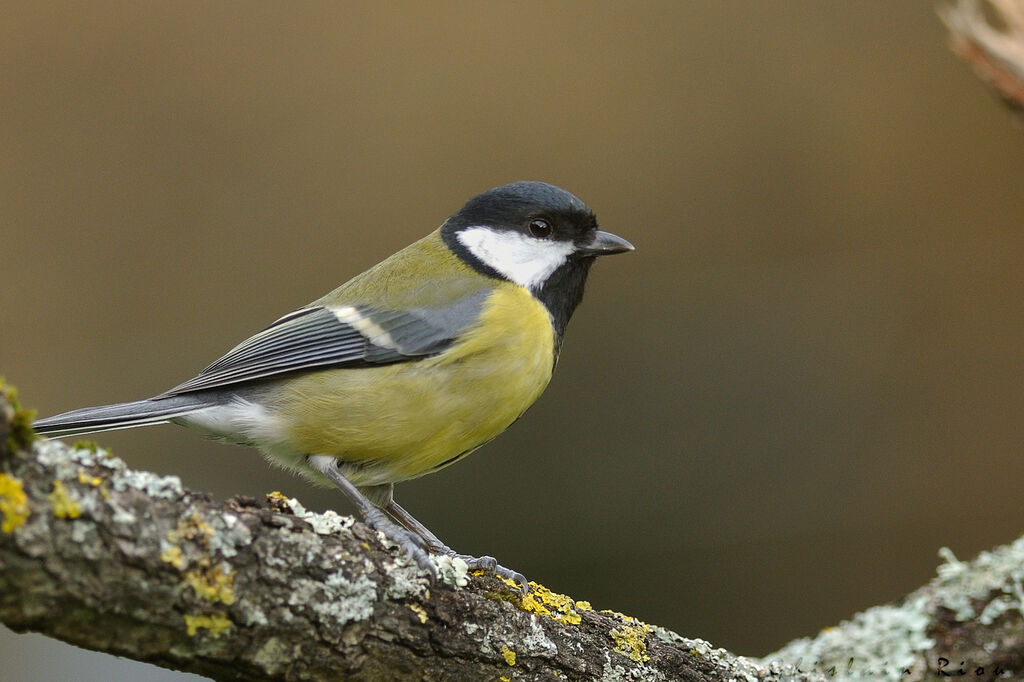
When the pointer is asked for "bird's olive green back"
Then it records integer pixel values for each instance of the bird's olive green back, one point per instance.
(425, 275)
(414, 304)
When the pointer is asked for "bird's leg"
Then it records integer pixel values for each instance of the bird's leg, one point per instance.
(408, 540)
(434, 544)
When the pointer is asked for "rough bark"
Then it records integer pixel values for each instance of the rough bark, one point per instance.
(128, 562)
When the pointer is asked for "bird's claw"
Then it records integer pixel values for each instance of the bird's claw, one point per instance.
(478, 563)
(410, 543)
(515, 576)
(491, 565)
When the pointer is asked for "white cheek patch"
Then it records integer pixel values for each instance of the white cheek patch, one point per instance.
(524, 260)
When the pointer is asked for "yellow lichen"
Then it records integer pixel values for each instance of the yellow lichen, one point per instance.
(174, 556)
(420, 612)
(505, 678)
(631, 641)
(193, 528)
(510, 656)
(542, 601)
(19, 420)
(216, 623)
(618, 614)
(213, 584)
(63, 506)
(279, 502)
(86, 479)
(13, 503)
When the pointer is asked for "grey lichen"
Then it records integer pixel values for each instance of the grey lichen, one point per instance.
(960, 584)
(230, 534)
(405, 583)
(740, 668)
(892, 642)
(881, 642)
(453, 571)
(67, 462)
(166, 487)
(616, 672)
(536, 642)
(338, 599)
(729, 666)
(120, 516)
(326, 523)
(492, 637)
(203, 542)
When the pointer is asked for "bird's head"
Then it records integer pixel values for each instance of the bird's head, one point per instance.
(533, 234)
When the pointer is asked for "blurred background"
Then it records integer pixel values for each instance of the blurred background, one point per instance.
(807, 379)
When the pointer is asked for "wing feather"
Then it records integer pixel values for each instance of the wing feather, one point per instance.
(318, 337)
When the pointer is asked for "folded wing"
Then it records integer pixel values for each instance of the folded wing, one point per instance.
(318, 337)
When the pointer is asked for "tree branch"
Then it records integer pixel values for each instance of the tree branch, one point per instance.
(128, 562)
(989, 35)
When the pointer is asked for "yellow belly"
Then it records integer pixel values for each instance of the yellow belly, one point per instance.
(400, 421)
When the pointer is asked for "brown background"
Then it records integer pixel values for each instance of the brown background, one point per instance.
(807, 379)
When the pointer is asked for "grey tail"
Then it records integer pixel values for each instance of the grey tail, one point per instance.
(119, 416)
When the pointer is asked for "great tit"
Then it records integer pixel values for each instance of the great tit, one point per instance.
(406, 368)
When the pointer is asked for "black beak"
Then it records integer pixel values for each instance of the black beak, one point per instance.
(604, 244)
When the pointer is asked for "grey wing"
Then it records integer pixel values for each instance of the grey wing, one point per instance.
(345, 336)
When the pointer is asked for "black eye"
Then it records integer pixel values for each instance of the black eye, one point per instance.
(540, 228)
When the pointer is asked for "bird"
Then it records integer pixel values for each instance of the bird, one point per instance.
(404, 369)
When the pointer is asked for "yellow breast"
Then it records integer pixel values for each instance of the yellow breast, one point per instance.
(400, 421)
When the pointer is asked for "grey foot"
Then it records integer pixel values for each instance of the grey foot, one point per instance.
(434, 545)
(491, 565)
(410, 543)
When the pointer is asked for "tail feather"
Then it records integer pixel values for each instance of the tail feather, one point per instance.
(119, 416)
